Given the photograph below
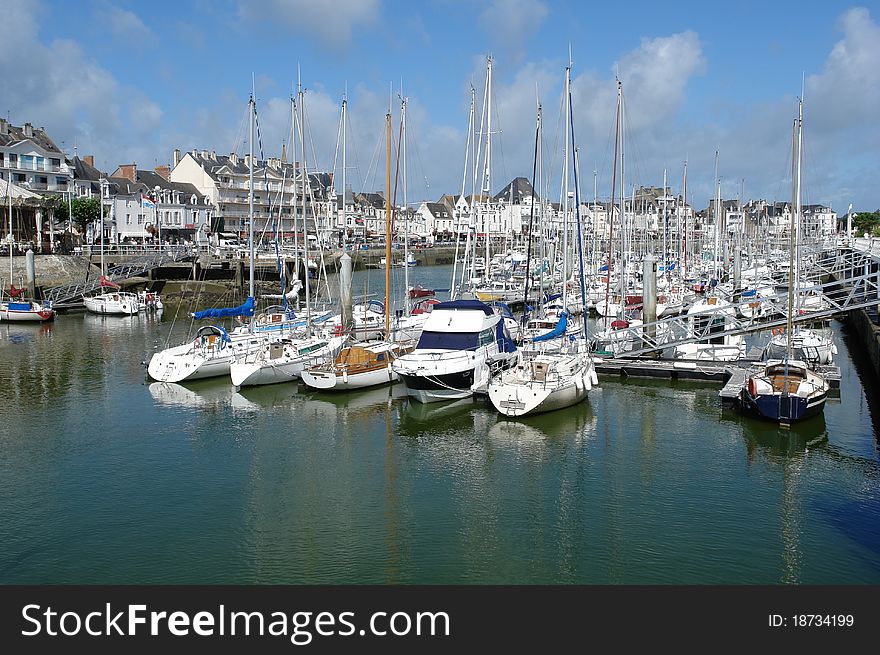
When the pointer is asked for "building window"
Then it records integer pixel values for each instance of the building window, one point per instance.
(56, 163)
(27, 161)
(128, 219)
(177, 218)
(41, 164)
(11, 159)
(140, 219)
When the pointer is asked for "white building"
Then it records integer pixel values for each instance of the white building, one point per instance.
(31, 160)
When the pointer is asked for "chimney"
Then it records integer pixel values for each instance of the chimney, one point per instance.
(233, 158)
(4, 126)
(164, 171)
(28, 130)
(176, 157)
(214, 155)
(204, 154)
(90, 160)
(129, 171)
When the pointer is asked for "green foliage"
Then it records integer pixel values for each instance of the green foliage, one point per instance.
(866, 222)
(85, 211)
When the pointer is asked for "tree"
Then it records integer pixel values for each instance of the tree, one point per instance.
(85, 211)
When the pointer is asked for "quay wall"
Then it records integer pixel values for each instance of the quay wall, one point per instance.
(869, 333)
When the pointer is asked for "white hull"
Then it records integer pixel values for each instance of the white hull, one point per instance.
(190, 361)
(35, 314)
(517, 392)
(261, 368)
(120, 304)
(330, 381)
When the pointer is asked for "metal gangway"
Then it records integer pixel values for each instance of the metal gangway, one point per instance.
(67, 294)
(855, 285)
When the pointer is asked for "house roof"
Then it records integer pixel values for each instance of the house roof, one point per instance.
(16, 135)
(522, 189)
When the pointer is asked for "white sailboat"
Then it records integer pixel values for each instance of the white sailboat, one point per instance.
(787, 390)
(365, 364)
(213, 350)
(283, 360)
(15, 308)
(115, 301)
(544, 380)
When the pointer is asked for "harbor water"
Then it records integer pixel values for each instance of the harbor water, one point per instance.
(107, 478)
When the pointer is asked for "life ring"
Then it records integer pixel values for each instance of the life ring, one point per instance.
(338, 330)
(753, 388)
(778, 331)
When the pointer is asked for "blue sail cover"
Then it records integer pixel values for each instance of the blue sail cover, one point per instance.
(558, 331)
(247, 309)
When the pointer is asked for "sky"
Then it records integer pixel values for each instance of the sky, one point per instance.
(130, 81)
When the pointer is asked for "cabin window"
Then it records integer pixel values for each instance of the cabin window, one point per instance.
(487, 337)
(380, 357)
(448, 340)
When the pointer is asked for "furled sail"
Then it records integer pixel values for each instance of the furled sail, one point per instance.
(246, 309)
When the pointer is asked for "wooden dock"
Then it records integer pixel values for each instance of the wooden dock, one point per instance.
(732, 375)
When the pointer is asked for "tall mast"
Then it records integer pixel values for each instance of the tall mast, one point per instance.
(611, 210)
(344, 222)
(388, 223)
(402, 146)
(253, 111)
(454, 290)
(717, 216)
(294, 154)
(305, 180)
(565, 271)
(531, 222)
(102, 183)
(685, 210)
(488, 178)
(9, 198)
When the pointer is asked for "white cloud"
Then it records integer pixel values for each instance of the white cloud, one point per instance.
(331, 23)
(81, 107)
(509, 24)
(846, 94)
(125, 25)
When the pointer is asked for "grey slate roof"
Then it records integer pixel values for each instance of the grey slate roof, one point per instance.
(522, 189)
(16, 135)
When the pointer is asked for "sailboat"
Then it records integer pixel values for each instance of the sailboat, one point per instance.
(214, 349)
(545, 380)
(115, 301)
(787, 390)
(284, 359)
(16, 308)
(365, 364)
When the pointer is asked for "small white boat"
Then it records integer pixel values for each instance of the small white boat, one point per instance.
(282, 360)
(357, 366)
(120, 303)
(25, 311)
(209, 355)
(542, 382)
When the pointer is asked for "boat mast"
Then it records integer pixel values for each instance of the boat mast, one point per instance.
(531, 222)
(487, 186)
(402, 147)
(9, 209)
(717, 217)
(611, 209)
(577, 209)
(454, 288)
(387, 222)
(253, 110)
(295, 222)
(344, 207)
(564, 204)
(305, 181)
(684, 209)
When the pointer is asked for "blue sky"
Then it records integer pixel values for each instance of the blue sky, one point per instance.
(129, 81)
